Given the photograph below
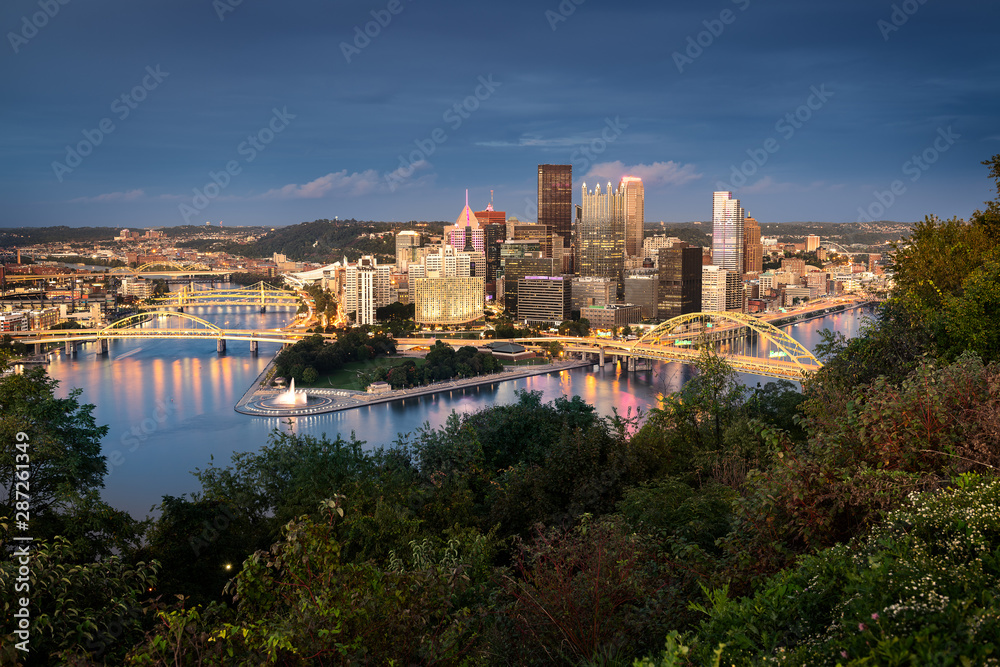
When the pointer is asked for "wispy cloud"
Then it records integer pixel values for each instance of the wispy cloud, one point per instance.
(131, 195)
(768, 185)
(655, 175)
(355, 184)
(536, 141)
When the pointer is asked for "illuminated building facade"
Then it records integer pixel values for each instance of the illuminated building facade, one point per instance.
(601, 235)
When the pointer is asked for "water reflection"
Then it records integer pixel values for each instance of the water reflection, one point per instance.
(200, 389)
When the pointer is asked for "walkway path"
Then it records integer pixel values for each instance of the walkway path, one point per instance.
(336, 400)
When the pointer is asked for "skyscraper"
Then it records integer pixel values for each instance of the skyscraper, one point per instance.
(753, 249)
(466, 230)
(406, 240)
(634, 214)
(680, 276)
(727, 232)
(555, 198)
(601, 235)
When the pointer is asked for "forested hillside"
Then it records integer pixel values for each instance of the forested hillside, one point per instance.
(323, 240)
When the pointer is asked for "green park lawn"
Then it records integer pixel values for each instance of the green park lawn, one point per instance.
(347, 376)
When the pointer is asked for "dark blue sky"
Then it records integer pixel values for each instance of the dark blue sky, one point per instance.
(614, 88)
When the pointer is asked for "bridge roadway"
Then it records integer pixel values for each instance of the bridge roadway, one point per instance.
(602, 348)
(778, 354)
(28, 277)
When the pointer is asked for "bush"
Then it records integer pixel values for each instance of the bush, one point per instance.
(921, 589)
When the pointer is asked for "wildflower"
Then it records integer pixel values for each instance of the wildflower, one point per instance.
(861, 627)
(875, 616)
(843, 654)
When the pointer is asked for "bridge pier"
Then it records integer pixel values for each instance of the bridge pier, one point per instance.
(220, 345)
(102, 346)
(38, 348)
(253, 348)
(263, 309)
(70, 348)
(630, 363)
(602, 358)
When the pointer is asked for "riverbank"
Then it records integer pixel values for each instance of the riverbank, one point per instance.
(336, 400)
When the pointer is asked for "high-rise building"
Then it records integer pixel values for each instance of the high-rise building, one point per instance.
(734, 291)
(543, 298)
(601, 235)
(812, 243)
(466, 231)
(641, 289)
(521, 231)
(490, 217)
(634, 214)
(680, 281)
(593, 291)
(516, 268)
(555, 198)
(447, 300)
(494, 234)
(727, 232)
(406, 241)
(651, 246)
(366, 291)
(713, 289)
(753, 249)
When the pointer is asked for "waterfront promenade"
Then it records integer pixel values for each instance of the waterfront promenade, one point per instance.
(336, 400)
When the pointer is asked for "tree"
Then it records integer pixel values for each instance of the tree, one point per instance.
(79, 609)
(63, 443)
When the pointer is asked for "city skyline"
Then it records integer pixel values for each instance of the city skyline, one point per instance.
(262, 115)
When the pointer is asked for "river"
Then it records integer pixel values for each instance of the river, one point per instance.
(169, 404)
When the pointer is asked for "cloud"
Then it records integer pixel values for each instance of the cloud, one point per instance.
(768, 185)
(656, 175)
(131, 195)
(340, 182)
(535, 141)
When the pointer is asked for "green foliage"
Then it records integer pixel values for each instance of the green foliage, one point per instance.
(583, 595)
(920, 589)
(287, 477)
(395, 312)
(676, 510)
(78, 607)
(890, 345)
(300, 603)
(325, 357)
(200, 545)
(63, 444)
(580, 327)
(865, 452)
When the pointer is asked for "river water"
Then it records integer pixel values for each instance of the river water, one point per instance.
(169, 403)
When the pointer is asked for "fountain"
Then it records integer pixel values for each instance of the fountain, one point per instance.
(289, 398)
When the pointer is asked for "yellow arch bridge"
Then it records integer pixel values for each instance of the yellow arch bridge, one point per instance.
(131, 328)
(260, 296)
(750, 345)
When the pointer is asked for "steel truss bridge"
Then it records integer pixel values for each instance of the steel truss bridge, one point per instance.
(749, 344)
(171, 270)
(262, 295)
(131, 328)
